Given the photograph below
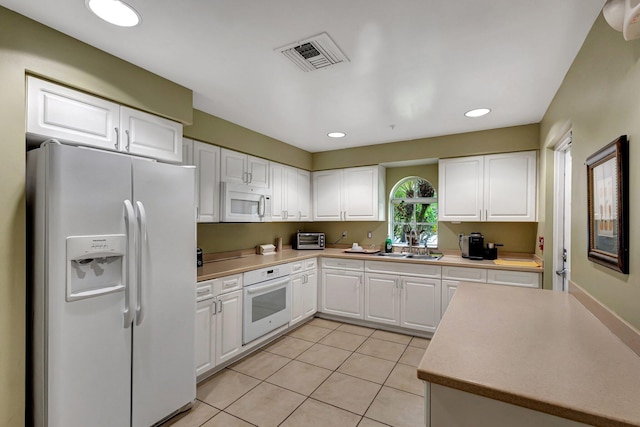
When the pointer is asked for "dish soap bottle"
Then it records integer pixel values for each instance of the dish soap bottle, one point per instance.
(388, 245)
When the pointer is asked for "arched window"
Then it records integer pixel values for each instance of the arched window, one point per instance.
(413, 206)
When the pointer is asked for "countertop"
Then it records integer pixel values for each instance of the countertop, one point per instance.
(538, 349)
(220, 268)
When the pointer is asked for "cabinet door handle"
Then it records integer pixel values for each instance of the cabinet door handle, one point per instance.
(117, 138)
(250, 176)
(486, 214)
(215, 307)
(128, 140)
(220, 309)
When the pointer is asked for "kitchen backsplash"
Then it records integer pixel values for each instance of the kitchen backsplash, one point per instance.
(225, 237)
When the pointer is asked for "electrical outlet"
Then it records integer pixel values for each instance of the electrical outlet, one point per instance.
(369, 235)
(344, 234)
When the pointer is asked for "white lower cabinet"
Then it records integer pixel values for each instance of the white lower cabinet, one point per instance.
(403, 300)
(420, 303)
(310, 294)
(218, 322)
(304, 290)
(205, 339)
(342, 293)
(448, 289)
(228, 326)
(381, 298)
(452, 277)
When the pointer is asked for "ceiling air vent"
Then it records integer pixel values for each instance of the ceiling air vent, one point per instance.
(314, 53)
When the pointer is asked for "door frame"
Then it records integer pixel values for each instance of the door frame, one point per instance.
(562, 211)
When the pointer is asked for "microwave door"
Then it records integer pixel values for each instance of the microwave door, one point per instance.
(244, 209)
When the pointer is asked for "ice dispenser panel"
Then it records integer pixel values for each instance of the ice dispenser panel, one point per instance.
(95, 265)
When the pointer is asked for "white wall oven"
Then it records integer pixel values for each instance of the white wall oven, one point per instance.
(244, 203)
(267, 301)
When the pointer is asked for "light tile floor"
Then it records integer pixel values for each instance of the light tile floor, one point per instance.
(323, 373)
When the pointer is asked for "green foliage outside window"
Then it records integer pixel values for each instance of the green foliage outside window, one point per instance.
(414, 206)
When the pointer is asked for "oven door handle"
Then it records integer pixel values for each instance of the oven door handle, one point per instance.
(256, 289)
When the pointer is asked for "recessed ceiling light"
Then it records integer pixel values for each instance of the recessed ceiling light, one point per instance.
(114, 12)
(478, 112)
(336, 134)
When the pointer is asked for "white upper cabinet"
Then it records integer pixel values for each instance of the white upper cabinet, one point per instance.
(58, 112)
(243, 169)
(498, 187)
(355, 194)
(510, 187)
(187, 151)
(304, 195)
(363, 193)
(278, 195)
(460, 192)
(206, 158)
(327, 195)
(289, 193)
(55, 111)
(151, 136)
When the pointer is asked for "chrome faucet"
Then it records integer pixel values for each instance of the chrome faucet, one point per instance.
(413, 236)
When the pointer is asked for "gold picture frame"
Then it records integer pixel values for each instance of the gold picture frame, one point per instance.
(608, 205)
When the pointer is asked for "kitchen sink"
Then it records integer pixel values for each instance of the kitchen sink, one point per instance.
(432, 257)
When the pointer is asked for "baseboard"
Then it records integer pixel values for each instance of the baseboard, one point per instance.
(620, 328)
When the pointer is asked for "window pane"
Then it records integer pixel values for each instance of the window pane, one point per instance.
(408, 215)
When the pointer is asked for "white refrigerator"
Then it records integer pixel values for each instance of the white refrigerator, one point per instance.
(112, 288)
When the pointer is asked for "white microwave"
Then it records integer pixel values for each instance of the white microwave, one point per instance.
(244, 203)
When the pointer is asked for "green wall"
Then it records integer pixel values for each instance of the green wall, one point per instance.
(517, 138)
(216, 131)
(598, 101)
(225, 237)
(29, 47)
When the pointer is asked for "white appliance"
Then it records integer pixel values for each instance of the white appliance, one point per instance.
(112, 295)
(267, 301)
(244, 203)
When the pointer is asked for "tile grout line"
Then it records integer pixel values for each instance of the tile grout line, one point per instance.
(386, 379)
(307, 397)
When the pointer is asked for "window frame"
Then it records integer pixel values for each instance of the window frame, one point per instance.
(392, 201)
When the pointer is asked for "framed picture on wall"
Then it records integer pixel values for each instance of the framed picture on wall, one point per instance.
(608, 205)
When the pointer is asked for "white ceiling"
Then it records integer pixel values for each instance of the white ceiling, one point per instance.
(415, 64)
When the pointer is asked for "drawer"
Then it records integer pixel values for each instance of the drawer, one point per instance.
(343, 264)
(310, 264)
(227, 284)
(514, 278)
(204, 290)
(465, 274)
(297, 266)
(405, 269)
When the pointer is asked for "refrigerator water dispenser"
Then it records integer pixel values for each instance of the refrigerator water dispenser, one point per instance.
(95, 265)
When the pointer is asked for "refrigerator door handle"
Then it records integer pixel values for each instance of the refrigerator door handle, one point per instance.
(142, 246)
(129, 216)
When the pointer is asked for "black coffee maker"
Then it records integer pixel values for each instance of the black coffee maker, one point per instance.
(476, 246)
